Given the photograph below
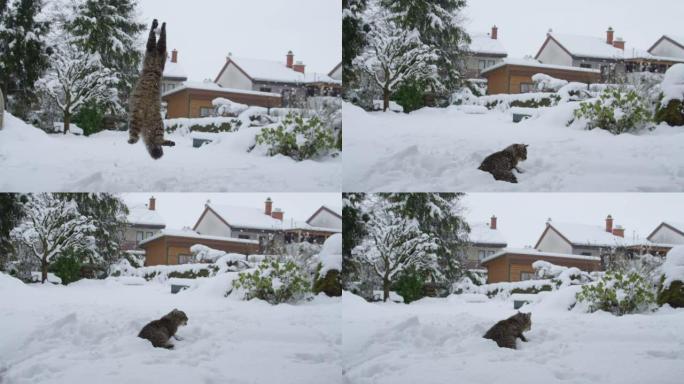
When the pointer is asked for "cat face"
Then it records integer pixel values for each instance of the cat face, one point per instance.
(525, 319)
(179, 317)
(521, 151)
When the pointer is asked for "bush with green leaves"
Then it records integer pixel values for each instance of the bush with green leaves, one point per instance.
(298, 138)
(274, 281)
(618, 293)
(410, 285)
(90, 117)
(617, 111)
(410, 95)
(330, 284)
(68, 267)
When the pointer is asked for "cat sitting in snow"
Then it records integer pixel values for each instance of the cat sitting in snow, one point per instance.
(501, 164)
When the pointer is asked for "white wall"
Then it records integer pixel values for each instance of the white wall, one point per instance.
(232, 77)
(337, 75)
(666, 235)
(554, 54)
(553, 242)
(326, 219)
(666, 48)
(212, 225)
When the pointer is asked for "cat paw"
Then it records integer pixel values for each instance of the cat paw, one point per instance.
(169, 143)
(133, 140)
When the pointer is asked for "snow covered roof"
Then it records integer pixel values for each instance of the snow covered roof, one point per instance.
(483, 43)
(481, 233)
(588, 235)
(276, 71)
(141, 215)
(246, 217)
(534, 252)
(587, 46)
(537, 64)
(209, 86)
(188, 233)
(332, 209)
(300, 225)
(174, 71)
(677, 226)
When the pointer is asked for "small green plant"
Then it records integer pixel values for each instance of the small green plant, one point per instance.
(298, 138)
(330, 284)
(618, 293)
(410, 285)
(275, 282)
(617, 111)
(410, 95)
(90, 118)
(68, 267)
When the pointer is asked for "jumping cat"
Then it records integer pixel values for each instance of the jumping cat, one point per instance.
(158, 332)
(501, 164)
(146, 99)
(505, 332)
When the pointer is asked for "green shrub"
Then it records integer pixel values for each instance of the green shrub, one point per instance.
(90, 118)
(410, 285)
(275, 282)
(672, 114)
(618, 293)
(410, 95)
(616, 111)
(211, 127)
(672, 295)
(298, 138)
(330, 284)
(67, 267)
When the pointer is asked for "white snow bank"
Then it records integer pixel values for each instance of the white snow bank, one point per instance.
(228, 107)
(37, 277)
(378, 105)
(673, 84)
(546, 83)
(673, 267)
(8, 282)
(331, 254)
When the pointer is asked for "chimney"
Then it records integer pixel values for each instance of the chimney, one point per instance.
(619, 231)
(619, 43)
(277, 214)
(299, 67)
(609, 224)
(495, 33)
(174, 56)
(152, 205)
(609, 36)
(268, 205)
(492, 222)
(290, 59)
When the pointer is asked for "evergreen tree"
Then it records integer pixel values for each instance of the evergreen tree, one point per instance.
(353, 35)
(11, 212)
(353, 230)
(110, 29)
(23, 53)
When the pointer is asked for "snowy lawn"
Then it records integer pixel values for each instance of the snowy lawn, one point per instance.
(436, 341)
(436, 149)
(31, 160)
(87, 333)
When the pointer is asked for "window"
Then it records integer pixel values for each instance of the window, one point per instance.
(526, 276)
(265, 89)
(206, 112)
(184, 259)
(526, 87)
(482, 64)
(482, 254)
(149, 234)
(586, 253)
(243, 237)
(490, 63)
(139, 235)
(585, 65)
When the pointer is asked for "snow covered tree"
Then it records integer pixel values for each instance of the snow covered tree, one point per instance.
(353, 228)
(75, 78)
(394, 54)
(353, 35)
(23, 52)
(439, 24)
(10, 214)
(110, 28)
(51, 226)
(394, 244)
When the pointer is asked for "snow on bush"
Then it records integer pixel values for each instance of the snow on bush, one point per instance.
(202, 253)
(328, 275)
(616, 110)
(560, 275)
(185, 126)
(273, 281)
(673, 267)
(298, 138)
(378, 105)
(574, 91)
(225, 107)
(618, 293)
(504, 102)
(464, 96)
(546, 83)
(673, 85)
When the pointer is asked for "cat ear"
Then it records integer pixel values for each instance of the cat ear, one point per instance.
(526, 145)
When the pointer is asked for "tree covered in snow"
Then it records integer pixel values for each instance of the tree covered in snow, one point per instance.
(51, 226)
(353, 35)
(10, 214)
(353, 227)
(394, 244)
(75, 78)
(23, 52)
(439, 24)
(394, 54)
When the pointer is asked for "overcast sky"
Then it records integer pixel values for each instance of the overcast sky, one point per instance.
(523, 23)
(204, 31)
(522, 216)
(183, 209)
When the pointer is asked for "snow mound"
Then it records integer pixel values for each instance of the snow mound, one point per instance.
(673, 267)
(203, 253)
(228, 107)
(547, 83)
(673, 84)
(9, 282)
(331, 254)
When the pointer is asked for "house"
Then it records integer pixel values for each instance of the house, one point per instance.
(516, 264)
(668, 46)
(336, 73)
(143, 222)
(288, 78)
(325, 222)
(514, 76)
(171, 247)
(485, 51)
(195, 99)
(485, 240)
(174, 75)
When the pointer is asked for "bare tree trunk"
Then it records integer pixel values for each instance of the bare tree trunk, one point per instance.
(43, 267)
(385, 101)
(386, 288)
(67, 122)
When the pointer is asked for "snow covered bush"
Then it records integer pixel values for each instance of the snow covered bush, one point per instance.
(298, 138)
(410, 95)
(202, 124)
(225, 107)
(616, 110)
(546, 83)
(327, 278)
(524, 100)
(671, 108)
(274, 281)
(560, 275)
(618, 293)
(410, 284)
(671, 285)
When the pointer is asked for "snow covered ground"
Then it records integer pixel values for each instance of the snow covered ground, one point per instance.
(31, 160)
(435, 149)
(87, 333)
(436, 341)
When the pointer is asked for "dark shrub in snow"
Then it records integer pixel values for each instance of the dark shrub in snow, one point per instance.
(330, 284)
(672, 114)
(67, 267)
(672, 295)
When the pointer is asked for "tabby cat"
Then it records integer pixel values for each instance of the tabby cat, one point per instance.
(505, 332)
(146, 99)
(501, 164)
(158, 332)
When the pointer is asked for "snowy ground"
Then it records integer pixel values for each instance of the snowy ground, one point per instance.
(31, 160)
(436, 341)
(86, 333)
(440, 150)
